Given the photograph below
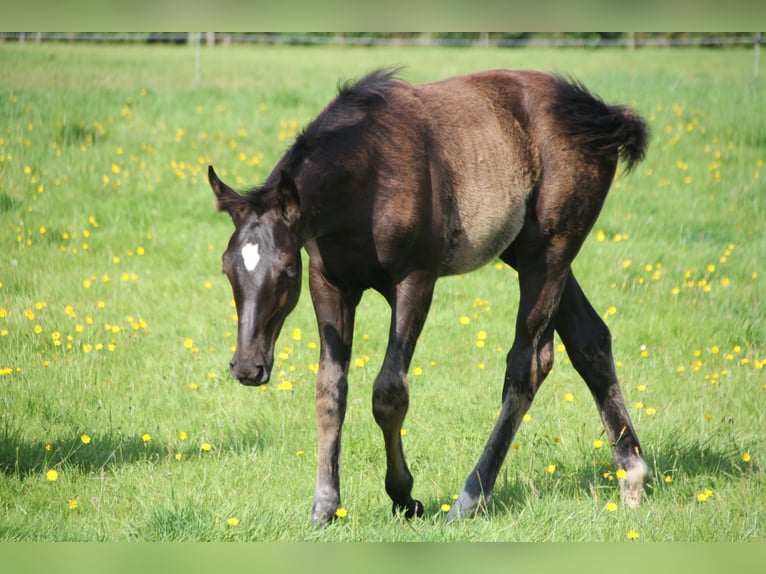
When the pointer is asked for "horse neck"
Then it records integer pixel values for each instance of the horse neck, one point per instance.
(323, 205)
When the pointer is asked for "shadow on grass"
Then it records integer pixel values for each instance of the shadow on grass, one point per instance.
(687, 461)
(22, 459)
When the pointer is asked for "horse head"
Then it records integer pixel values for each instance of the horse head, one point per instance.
(263, 264)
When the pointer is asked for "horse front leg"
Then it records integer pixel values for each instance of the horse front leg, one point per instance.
(390, 396)
(335, 318)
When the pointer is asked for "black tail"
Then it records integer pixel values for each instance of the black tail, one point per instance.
(604, 129)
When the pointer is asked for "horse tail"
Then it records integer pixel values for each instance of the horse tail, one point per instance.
(603, 129)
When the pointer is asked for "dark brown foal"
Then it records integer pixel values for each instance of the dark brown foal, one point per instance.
(395, 185)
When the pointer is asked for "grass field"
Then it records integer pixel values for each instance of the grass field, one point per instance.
(119, 421)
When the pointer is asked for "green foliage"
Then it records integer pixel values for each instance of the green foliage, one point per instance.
(116, 325)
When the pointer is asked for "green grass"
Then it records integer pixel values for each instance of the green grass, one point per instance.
(103, 152)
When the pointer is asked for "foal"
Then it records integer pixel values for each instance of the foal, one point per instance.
(395, 185)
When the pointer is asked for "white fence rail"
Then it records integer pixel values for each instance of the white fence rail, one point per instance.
(629, 40)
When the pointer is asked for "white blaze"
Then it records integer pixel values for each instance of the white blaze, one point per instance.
(250, 256)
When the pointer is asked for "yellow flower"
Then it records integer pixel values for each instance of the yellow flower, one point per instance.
(341, 512)
(52, 475)
(296, 334)
(668, 478)
(182, 435)
(206, 446)
(746, 457)
(621, 473)
(85, 439)
(611, 507)
(72, 504)
(464, 320)
(445, 507)
(146, 437)
(632, 535)
(597, 444)
(188, 343)
(232, 521)
(551, 468)
(179, 456)
(569, 397)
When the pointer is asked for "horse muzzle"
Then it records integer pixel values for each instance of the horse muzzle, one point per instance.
(250, 374)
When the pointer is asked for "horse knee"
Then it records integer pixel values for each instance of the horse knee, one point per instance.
(390, 400)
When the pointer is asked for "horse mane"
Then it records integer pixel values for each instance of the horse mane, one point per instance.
(325, 134)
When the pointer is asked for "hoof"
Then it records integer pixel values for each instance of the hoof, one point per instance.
(632, 486)
(467, 506)
(414, 508)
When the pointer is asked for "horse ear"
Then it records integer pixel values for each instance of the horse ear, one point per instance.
(226, 199)
(289, 200)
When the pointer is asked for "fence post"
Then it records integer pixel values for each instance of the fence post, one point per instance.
(197, 58)
(757, 53)
(631, 41)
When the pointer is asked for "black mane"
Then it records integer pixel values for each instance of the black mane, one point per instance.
(349, 109)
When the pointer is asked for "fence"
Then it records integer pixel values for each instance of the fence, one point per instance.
(627, 40)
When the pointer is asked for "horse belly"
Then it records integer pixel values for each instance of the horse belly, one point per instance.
(487, 211)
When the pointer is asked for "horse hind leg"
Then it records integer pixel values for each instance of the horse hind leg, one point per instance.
(541, 281)
(589, 345)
